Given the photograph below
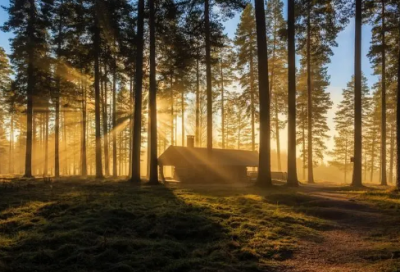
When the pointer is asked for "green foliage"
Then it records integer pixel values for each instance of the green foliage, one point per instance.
(344, 122)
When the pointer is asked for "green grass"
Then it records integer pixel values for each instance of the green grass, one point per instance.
(117, 226)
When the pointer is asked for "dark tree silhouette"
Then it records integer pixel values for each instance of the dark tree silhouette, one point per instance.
(292, 170)
(356, 182)
(137, 122)
(264, 165)
(153, 178)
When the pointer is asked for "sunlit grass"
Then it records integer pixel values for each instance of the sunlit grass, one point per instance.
(118, 226)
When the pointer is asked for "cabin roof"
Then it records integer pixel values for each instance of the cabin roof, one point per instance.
(179, 155)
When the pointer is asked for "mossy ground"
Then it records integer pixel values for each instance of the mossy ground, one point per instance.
(85, 225)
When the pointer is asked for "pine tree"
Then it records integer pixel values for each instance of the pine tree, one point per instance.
(277, 52)
(28, 20)
(292, 168)
(319, 24)
(246, 43)
(344, 119)
(321, 105)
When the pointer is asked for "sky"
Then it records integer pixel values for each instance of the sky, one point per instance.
(340, 69)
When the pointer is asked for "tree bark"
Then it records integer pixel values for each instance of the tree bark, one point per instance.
(153, 178)
(83, 134)
(197, 103)
(292, 170)
(309, 100)
(391, 162)
(105, 125)
(96, 43)
(252, 102)
(398, 114)
(383, 101)
(222, 106)
(46, 143)
(208, 74)
(264, 169)
(114, 115)
(356, 182)
(137, 125)
(11, 148)
(30, 90)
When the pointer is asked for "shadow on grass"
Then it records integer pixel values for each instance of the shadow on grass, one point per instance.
(115, 227)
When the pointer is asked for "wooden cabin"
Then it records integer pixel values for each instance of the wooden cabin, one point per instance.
(192, 164)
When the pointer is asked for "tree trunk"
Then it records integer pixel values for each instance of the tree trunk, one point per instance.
(372, 156)
(83, 134)
(398, 115)
(11, 148)
(46, 143)
(383, 101)
(222, 107)
(114, 116)
(172, 112)
(96, 44)
(183, 115)
(105, 125)
(309, 100)
(137, 125)
(153, 177)
(292, 170)
(303, 131)
(30, 91)
(197, 103)
(357, 100)
(252, 102)
(65, 151)
(391, 162)
(264, 169)
(208, 74)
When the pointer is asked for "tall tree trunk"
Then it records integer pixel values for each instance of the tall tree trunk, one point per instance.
(83, 134)
(172, 111)
(65, 151)
(208, 74)
(96, 44)
(292, 170)
(46, 143)
(309, 100)
(222, 106)
(183, 115)
(30, 90)
(137, 125)
(391, 162)
(398, 113)
(383, 101)
(264, 169)
(252, 102)
(197, 103)
(372, 156)
(114, 115)
(303, 131)
(11, 148)
(276, 109)
(153, 178)
(357, 100)
(345, 163)
(57, 102)
(105, 125)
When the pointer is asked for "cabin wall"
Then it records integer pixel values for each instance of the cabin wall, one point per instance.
(204, 174)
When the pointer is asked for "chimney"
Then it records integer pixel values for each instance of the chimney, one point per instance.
(190, 141)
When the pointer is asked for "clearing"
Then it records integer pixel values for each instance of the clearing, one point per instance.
(85, 225)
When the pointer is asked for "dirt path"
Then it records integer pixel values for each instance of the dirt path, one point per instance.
(360, 242)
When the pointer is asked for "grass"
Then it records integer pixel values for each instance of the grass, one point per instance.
(118, 226)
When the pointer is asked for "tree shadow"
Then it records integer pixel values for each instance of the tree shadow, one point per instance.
(115, 226)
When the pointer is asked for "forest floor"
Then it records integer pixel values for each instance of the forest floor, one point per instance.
(86, 225)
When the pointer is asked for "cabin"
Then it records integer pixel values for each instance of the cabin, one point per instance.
(193, 164)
